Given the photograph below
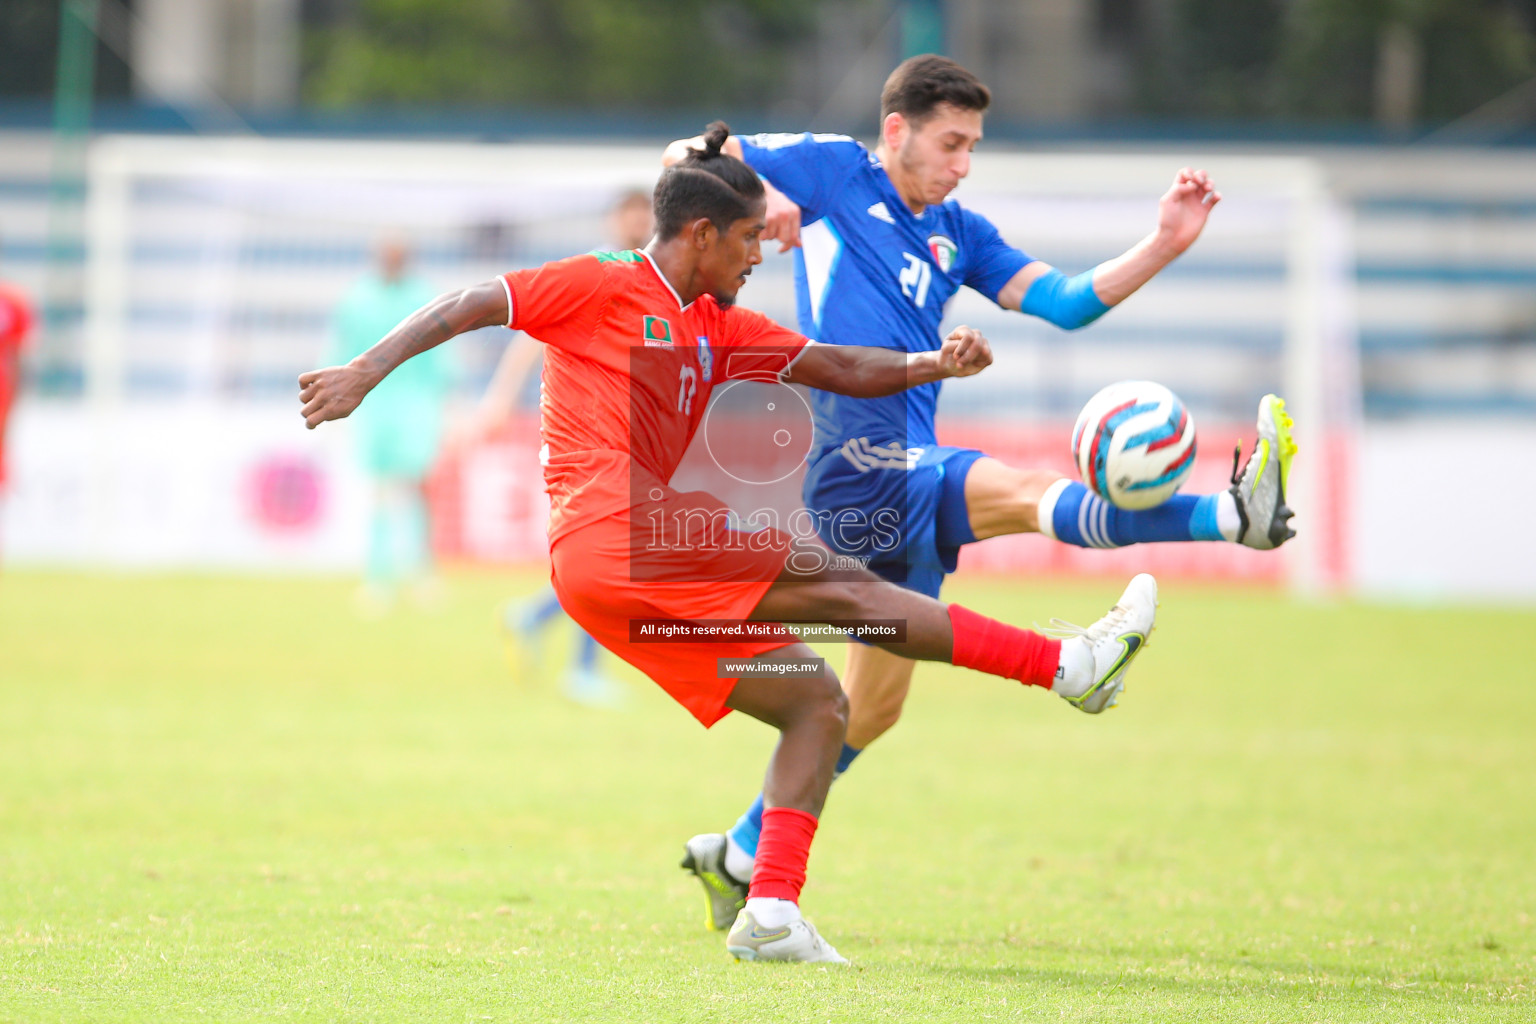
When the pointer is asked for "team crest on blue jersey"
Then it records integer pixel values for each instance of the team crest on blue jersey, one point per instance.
(706, 358)
(943, 251)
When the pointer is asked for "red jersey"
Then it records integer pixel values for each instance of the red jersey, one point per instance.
(15, 325)
(628, 374)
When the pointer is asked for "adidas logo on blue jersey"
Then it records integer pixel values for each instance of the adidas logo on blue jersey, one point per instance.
(879, 212)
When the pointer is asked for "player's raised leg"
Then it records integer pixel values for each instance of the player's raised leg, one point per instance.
(1084, 666)
(1001, 499)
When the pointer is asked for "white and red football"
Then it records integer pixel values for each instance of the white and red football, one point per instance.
(1134, 443)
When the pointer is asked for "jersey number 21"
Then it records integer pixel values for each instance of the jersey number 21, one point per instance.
(914, 279)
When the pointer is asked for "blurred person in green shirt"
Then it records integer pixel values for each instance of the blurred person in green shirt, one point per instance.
(399, 434)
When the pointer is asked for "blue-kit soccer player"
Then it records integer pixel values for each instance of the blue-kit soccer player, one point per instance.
(882, 249)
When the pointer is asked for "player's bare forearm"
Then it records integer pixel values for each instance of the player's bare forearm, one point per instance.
(867, 372)
(1115, 280)
(1181, 216)
(334, 392)
(448, 315)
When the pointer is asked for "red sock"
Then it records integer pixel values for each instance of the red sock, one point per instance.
(987, 645)
(782, 850)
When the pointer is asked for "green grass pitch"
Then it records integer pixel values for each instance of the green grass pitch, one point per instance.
(230, 800)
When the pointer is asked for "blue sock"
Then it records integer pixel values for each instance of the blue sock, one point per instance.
(749, 827)
(845, 759)
(1082, 518)
(586, 653)
(540, 610)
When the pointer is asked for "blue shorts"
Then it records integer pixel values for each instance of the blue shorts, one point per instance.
(901, 510)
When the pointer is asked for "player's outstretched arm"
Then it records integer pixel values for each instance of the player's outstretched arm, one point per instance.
(1072, 302)
(1181, 215)
(864, 372)
(332, 393)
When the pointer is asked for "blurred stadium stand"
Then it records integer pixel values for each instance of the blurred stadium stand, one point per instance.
(222, 290)
(1444, 258)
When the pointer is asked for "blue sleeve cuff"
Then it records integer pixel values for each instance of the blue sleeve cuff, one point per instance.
(1067, 302)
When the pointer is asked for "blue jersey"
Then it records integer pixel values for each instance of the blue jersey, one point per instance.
(870, 272)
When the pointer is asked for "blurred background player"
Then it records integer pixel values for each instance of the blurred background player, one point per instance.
(882, 250)
(16, 319)
(523, 623)
(622, 401)
(398, 436)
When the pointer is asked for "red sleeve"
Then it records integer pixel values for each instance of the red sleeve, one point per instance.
(757, 348)
(16, 320)
(558, 303)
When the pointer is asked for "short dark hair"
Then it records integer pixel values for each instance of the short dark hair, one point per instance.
(705, 183)
(921, 83)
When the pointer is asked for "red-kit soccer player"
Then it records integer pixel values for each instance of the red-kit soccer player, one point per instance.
(16, 320)
(622, 396)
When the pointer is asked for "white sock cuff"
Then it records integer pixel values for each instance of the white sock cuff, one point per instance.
(1045, 510)
(1227, 520)
(738, 862)
(773, 913)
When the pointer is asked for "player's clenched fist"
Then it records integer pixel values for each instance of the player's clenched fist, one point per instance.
(965, 352)
(332, 393)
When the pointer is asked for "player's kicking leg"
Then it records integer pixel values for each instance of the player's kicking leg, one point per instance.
(1086, 667)
(1001, 499)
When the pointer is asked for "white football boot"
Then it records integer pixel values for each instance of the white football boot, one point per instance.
(793, 942)
(1111, 645)
(1260, 488)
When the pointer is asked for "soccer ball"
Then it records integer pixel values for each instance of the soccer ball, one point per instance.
(1134, 443)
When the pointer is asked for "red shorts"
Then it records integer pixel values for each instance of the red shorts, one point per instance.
(658, 561)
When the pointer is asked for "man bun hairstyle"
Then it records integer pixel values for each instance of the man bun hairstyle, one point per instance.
(920, 84)
(714, 137)
(705, 183)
